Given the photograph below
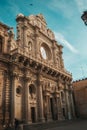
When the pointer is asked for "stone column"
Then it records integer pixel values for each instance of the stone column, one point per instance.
(66, 114)
(59, 100)
(25, 42)
(54, 52)
(8, 98)
(57, 107)
(48, 108)
(20, 33)
(25, 100)
(68, 101)
(29, 114)
(12, 85)
(36, 47)
(1, 93)
(72, 105)
(50, 115)
(60, 114)
(40, 112)
(4, 97)
(40, 103)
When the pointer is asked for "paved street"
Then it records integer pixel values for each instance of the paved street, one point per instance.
(78, 125)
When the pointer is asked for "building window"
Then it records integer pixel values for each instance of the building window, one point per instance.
(62, 97)
(1, 42)
(29, 45)
(19, 90)
(45, 51)
(32, 90)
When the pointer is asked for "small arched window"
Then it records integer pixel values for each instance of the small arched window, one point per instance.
(32, 90)
(19, 90)
(1, 43)
(29, 45)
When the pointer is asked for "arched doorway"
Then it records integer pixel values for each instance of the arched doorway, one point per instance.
(33, 115)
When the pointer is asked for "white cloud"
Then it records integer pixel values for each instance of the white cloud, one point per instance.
(81, 4)
(62, 6)
(13, 7)
(60, 38)
(8, 11)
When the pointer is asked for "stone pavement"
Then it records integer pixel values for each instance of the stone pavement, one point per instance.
(56, 125)
(59, 125)
(74, 125)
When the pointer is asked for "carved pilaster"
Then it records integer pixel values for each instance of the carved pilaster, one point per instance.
(4, 98)
(25, 42)
(1, 94)
(54, 53)
(37, 55)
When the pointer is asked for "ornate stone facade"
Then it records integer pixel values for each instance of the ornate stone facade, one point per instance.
(80, 96)
(34, 85)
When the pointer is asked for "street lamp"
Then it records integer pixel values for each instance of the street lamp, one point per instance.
(84, 17)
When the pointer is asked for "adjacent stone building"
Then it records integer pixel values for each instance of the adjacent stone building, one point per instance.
(80, 96)
(34, 85)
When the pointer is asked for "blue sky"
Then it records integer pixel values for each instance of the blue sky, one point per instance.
(64, 19)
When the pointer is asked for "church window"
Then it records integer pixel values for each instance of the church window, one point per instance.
(45, 51)
(32, 90)
(29, 45)
(19, 90)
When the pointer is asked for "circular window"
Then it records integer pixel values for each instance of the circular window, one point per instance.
(19, 90)
(45, 51)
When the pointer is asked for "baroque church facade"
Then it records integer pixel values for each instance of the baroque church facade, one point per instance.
(34, 85)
